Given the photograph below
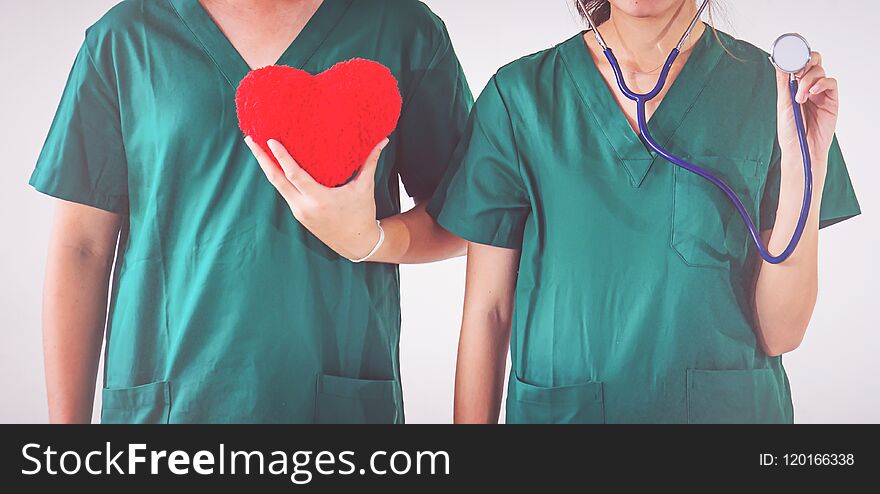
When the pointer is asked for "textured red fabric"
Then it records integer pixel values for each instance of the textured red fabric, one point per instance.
(329, 122)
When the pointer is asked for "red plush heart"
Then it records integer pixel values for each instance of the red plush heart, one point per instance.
(329, 122)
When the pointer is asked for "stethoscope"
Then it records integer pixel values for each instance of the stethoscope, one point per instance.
(791, 54)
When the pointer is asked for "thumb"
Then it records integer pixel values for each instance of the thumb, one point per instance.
(368, 171)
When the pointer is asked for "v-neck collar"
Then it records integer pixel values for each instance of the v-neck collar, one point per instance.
(633, 153)
(229, 60)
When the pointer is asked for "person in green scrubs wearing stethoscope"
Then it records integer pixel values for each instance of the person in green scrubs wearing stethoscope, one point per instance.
(224, 307)
(627, 287)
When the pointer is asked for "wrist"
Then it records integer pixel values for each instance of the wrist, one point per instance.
(793, 164)
(368, 243)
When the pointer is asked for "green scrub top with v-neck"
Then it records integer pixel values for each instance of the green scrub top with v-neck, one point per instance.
(224, 308)
(635, 278)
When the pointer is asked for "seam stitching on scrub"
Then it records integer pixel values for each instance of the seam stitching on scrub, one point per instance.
(418, 84)
(693, 103)
(114, 88)
(687, 396)
(592, 112)
(324, 40)
(94, 64)
(513, 334)
(202, 43)
(512, 134)
(97, 180)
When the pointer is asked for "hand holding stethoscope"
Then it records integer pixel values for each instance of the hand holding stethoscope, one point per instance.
(819, 99)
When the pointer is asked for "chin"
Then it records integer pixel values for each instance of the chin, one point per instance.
(646, 8)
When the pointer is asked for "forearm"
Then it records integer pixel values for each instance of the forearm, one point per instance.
(479, 374)
(74, 314)
(414, 238)
(485, 333)
(785, 294)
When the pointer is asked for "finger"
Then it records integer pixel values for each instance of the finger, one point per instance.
(366, 175)
(294, 173)
(826, 86)
(273, 172)
(373, 159)
(815, 61)
(807, 81)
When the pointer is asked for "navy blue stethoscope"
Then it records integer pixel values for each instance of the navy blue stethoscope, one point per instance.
(791, 54)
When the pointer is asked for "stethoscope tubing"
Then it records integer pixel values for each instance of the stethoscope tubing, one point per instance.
(642, 99)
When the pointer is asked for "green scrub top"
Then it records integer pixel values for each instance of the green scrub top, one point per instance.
(224, 308)
(635, 279)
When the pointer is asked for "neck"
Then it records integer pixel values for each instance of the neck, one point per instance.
(260, 7)
(643, 43)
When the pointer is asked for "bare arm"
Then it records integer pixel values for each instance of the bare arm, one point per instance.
(485, 333)
(414, 238)
(81, 252)
(785, 294)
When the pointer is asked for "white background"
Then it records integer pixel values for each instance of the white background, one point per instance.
(834, 373)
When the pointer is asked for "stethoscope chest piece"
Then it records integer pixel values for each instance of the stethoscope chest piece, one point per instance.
(791, 53)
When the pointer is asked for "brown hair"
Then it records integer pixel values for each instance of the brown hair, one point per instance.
(598, 10)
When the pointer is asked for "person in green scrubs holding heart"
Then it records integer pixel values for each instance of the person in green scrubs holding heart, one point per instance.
(627, 287)
(223, 307)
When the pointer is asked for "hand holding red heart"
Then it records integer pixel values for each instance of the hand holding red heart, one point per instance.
(343, 217)
(330, 122)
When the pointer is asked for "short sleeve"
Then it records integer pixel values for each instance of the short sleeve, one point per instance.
(83, 158)
(483, 197)
(434, 115)
(839, 200)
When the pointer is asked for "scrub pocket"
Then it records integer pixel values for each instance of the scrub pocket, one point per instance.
(147, 404)
(707, 231)
(575, 404)
(342, 400)
(736, 397)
